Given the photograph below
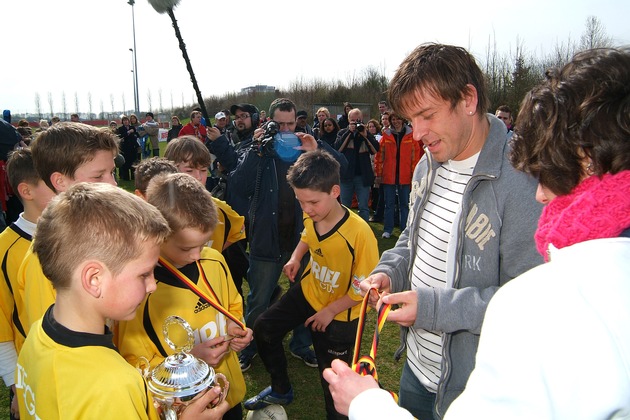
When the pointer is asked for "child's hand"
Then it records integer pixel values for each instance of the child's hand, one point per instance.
(291, 268)
(198, 408)
(241, 339)
(320, 320)
(212, 351)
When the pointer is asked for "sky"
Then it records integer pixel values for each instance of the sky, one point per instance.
(80, 48)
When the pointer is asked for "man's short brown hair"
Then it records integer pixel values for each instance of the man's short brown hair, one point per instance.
(64, 147)
(188, 149)
(183, 201)
(113, 227)
(444, 71)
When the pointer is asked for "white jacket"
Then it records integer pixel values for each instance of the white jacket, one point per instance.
(567, 356)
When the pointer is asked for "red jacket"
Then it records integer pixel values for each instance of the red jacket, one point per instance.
(390, 156)
(191, 130)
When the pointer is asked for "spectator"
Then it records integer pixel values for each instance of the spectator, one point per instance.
(394, 165)
(470, 230)
(152, 130)
(74, 118)
(504, 113)
(382, 107)
(54, 120)
(176, 126)
(194, 127)
(385, 120)
(128, 135)
(374, 128)
(301, 125)
(343, 120)
(329, 131)
(357, 145)
(321, 114)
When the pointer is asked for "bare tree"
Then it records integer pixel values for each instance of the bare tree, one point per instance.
(76, 102)
(172, 105)
(64, 106)
(149, 100)
(38, 105)
(111, 101)
(594, 35)
(102, 110)
(50, 104)
(160, 99)
(123, 102)
(89, 105)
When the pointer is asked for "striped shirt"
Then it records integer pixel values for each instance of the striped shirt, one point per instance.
(424, 348)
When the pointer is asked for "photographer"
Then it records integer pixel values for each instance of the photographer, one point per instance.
(356, 144)
(257, 176)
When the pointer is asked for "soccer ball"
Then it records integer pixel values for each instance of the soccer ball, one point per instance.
(270, 412)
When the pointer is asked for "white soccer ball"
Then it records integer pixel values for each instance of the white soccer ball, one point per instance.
(270, 412)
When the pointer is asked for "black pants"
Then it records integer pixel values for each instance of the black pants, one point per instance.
(337, 342)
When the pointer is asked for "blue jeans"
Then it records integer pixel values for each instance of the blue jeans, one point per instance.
(390, 192)
(414, 397)
(262, 278)
(349, 187)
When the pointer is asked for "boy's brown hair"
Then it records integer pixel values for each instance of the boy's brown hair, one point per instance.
(20, 169)
(64, 147)
(114, 227)
(317, 170)
(188, 149)
(183, 201)
(147, 169)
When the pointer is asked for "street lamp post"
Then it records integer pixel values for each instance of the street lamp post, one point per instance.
(133, 81)
(134, 53)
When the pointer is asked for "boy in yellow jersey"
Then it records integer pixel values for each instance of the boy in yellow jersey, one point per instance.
(64, 155)
(193, 283)
(98, 245)
(15, 241)
(192, 157)
(343, 252)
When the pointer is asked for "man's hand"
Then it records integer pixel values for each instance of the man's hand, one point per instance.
(15, 409)
(407, 313)
(213, 133)
(378, 281)
(308, 142)
(198, 408)
(346, 384)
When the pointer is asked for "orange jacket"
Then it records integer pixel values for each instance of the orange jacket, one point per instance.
(390, 156)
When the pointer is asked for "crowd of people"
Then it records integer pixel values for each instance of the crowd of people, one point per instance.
(508, 278)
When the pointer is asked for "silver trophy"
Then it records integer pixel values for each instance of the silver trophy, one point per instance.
(181, 376)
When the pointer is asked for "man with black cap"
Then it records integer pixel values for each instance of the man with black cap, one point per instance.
(301, 125)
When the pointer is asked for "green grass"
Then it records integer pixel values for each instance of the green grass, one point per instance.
(309, 400)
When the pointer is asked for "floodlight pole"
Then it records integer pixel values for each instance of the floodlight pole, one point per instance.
(134, 53)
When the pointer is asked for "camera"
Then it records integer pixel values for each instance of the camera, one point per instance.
(359, 126)
(277, 144)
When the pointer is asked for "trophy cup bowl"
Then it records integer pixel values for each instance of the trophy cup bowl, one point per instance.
(181, 377)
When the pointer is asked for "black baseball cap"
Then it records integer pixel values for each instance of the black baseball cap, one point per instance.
(251, 109)
(301, 114)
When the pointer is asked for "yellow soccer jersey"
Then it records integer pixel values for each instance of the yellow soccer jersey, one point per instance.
(36, 291)
(143, 335)
(63, 374)
(231, 226)
(339, 261)
(14, 243)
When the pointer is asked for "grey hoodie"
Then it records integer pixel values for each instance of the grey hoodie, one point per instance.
(492, 242)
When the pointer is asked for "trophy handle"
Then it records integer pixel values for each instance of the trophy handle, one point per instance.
(224, 389)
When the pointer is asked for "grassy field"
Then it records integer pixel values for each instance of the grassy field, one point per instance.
(309, 401)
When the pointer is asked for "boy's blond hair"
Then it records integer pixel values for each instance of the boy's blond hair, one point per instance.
(183, 201)
(94, 221)
(65, 146)
(188, 149)
(149, 168)
(20, 169)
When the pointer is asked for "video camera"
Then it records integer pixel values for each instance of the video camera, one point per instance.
(278, 144)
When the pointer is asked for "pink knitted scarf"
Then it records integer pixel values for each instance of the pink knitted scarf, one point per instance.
(596, 208)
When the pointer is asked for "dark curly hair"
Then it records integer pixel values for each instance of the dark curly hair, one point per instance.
(581, 110)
